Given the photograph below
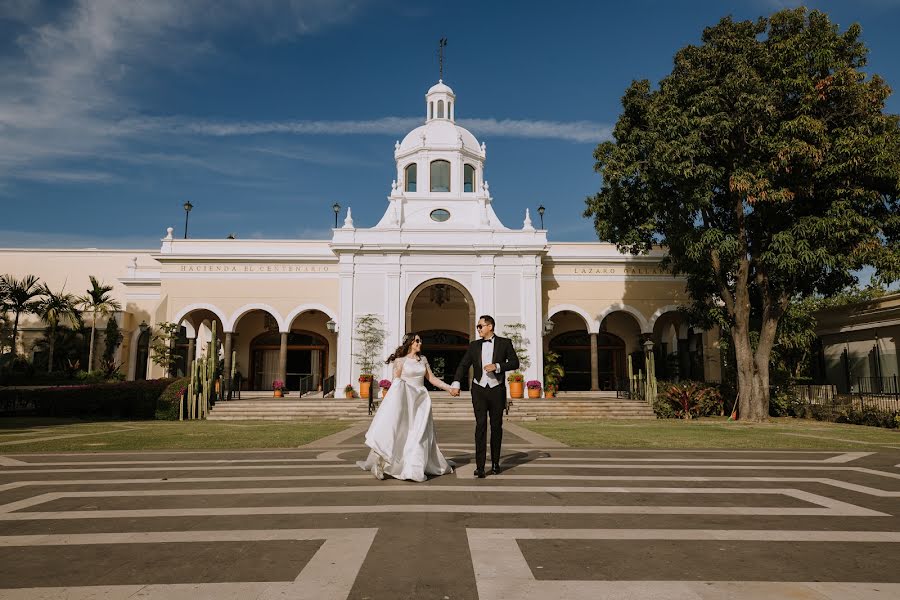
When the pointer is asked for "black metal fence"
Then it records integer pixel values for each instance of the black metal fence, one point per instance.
(866, 393)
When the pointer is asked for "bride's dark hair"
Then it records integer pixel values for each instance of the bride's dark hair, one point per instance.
(403, 348)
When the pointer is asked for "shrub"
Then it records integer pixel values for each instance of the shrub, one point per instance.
(689, 399)
(783, 403)
(533, 384)
(515, 377)
(124, 400)
(169, 401)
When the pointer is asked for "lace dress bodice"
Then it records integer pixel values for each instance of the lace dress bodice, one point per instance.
(411, 371)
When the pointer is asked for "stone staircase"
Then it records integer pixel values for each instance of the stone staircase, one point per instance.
(575, 405)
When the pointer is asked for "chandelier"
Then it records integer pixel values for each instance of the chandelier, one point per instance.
(439, 293)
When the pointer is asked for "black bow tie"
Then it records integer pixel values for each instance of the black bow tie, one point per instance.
(488, 340)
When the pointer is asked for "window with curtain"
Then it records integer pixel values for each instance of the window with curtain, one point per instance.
(440, 176)
(410, 175)
(468, 178)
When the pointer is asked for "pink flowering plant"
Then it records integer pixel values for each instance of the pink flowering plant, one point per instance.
(384, 383)
(278, 385)
(533, 384)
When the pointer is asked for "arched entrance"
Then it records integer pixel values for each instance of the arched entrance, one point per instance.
(142, 356)
(443, 313)
(574, 349)
(307, 354)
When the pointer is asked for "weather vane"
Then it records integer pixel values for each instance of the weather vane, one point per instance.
(441, 45)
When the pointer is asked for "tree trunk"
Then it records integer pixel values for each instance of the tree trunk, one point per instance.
(91, 350)
(752, 378)
(15, 349)
(52, 347)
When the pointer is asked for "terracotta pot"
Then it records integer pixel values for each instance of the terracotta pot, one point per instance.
(279, 394)
(534, 392)
(516, 389)
(364, 389)
(348, 394)
(550, 393)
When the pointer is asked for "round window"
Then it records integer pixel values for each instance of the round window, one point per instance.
(440, 215)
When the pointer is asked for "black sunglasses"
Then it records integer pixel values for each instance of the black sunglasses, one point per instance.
(479, 326)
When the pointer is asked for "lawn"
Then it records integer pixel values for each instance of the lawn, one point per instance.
(781, 433)
(20, 434)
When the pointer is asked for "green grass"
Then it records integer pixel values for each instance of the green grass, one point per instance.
(782, 433)
(157, 435)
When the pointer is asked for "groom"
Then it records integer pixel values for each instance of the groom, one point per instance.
(491, 357)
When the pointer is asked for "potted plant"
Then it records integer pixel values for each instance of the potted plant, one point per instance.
(369, 344)
(534, 388)
(515, 333)
(278, 387)
(385, 385)
(348, 391)
(516, 384)
(553, 373)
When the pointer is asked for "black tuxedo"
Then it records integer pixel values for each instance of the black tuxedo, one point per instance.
(487, 400)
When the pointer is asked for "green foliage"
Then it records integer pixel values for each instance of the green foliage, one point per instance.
(553, 370)
(56, 309)
(162, 345)
(516, 334)
(766, 165)
(112, 338)
(689, 399)
(125, 400)
(168, 402)
(369, 338)
(97, 301)
(19, 296)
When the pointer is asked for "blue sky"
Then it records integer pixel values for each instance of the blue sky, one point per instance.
(264, 113)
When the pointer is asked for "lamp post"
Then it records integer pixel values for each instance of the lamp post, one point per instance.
(336, 208)
(187, 211)
(541, 210)
(331, 326)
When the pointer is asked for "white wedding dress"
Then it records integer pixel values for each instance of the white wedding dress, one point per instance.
(401, 435)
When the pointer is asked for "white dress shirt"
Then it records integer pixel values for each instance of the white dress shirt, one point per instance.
(488, 380)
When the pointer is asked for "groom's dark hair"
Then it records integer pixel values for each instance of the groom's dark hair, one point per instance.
(488, 319)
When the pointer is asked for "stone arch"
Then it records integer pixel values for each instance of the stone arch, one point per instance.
(185, 311)
(132, 353)
(660, 312)
(299, 310)
(638, 316)
(458, 286)
(236, 315)
(590, 324)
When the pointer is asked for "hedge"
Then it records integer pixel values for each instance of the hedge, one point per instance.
(123, 400)
(170, 399)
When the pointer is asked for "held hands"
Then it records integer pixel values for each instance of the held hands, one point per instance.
(454, 392)
(490, 368)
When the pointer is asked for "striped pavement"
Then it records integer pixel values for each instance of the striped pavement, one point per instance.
(558, 522)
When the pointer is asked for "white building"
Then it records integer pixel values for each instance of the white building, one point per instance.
(438, 258)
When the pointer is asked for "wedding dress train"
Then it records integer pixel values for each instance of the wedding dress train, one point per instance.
(401, 436)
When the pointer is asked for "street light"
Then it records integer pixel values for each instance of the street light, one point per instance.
(336, 208)
(541, 210)
(187, 211)
(331, 325)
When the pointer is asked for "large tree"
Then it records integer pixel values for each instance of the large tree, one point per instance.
(97, 301)
(767, 167)
(57, 308)
(20, 296)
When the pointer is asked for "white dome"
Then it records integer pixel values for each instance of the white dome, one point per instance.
(440, 87)
(439, 134)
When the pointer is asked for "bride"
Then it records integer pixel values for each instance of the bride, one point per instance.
(401, 435)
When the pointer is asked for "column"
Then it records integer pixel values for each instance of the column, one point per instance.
(595, 375)
(282, 358)
(345, 325)
(226, 376)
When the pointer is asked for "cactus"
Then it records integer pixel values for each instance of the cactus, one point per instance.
(648, 390)
(201, 389)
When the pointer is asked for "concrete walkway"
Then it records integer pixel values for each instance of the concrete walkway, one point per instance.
(557, 523)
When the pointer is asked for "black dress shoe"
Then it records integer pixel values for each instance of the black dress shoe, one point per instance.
(495, 469)
(479, 473)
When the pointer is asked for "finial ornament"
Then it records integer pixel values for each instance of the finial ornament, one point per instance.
(169, 231)
(442, 43)
(348, 222)
(527, 224)
(396, 145)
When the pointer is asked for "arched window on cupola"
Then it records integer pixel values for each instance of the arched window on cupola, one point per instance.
(440, 176)
(450, 109)
(410, 176)
(431, 110)
(440, 109)
(468, 178)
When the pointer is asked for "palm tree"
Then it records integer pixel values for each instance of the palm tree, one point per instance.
(55, 309)
(19, 297)
(97, 301)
